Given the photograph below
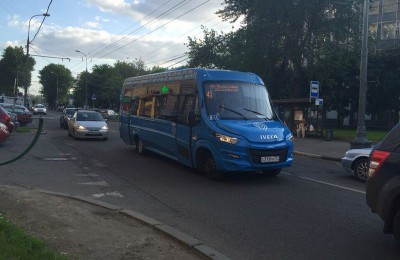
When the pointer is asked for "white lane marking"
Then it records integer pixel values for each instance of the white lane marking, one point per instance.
(111, 194)
(55, 159)
(98, 183)
(332, 185)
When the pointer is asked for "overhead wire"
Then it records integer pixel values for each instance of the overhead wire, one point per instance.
(180, 4)
(159, 27)
(157, 17)
(44, 18)
(115, 36)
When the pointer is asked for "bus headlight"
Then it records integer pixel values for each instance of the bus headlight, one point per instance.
(226, 139)
(289, 137)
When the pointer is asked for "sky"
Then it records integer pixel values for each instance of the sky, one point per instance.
(106, 31)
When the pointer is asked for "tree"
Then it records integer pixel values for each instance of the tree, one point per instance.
(14, 67)
(278, 40)
(56, 82)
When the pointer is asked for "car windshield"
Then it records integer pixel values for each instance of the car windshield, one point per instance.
(89, 116)
(237, 101)
(69, 111)
(39, 106)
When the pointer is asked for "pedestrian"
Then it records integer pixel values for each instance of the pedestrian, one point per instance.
(301, 128)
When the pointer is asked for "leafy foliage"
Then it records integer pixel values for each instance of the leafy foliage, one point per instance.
(56, 82)
(14, 66)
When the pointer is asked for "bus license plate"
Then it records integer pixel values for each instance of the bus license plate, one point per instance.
(268, 159)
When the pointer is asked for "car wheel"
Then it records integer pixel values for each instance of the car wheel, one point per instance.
(361, 169)
(210, 169)
(396, 227)
(139, 146)
(272, 172)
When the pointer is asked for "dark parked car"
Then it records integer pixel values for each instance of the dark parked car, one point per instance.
(383, 185)
(6, 119)
(66, 115)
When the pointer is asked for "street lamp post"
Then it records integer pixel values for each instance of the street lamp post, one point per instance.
(360, 140)
(27, 56)
(56, 99)
(86, 79)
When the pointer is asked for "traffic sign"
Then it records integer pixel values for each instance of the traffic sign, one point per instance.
(319, 101)
(314, 89)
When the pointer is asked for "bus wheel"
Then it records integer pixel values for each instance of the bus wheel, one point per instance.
(210, 169)
(272, 172)
(139, 146)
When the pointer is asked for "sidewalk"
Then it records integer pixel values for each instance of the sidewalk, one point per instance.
(320, 148)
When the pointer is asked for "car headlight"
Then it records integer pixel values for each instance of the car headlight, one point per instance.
(81, 127)
(289, 137)
(226, 139)
(104, 127)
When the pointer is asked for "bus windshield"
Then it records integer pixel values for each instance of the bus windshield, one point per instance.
(237, 101)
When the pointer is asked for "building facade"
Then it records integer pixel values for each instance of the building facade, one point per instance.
(384, 24)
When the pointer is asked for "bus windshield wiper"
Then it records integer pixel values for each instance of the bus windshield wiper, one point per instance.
(258, 113)
(233, 111)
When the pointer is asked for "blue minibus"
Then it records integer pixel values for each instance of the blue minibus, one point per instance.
(216, 121)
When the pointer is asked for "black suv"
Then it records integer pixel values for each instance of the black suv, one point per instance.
(383, 185)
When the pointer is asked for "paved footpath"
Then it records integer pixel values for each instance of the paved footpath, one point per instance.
(320, 148)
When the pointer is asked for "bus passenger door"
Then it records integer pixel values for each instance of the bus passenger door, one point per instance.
(187, 104)
(125, 119)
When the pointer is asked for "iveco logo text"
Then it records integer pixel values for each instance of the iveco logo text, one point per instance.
(268, 137)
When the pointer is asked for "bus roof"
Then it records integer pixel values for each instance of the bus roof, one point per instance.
(194, 73)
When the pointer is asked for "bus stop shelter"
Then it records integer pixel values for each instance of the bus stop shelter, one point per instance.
(291, 111)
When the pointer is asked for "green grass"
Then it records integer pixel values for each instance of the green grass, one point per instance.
(23, 129)
(349, 134)
(16, 244)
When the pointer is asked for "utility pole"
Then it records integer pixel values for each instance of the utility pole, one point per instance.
(27, 58)
(86, 79)
(360, 140)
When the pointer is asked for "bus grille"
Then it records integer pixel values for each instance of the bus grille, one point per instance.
(257, 154)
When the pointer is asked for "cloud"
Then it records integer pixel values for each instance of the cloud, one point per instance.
(91, 24)
(167, 9)
(14, 21)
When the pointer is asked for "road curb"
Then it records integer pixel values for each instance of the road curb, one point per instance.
(183, 238)
(315, 156)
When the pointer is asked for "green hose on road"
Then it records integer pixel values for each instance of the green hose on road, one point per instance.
(39, 131)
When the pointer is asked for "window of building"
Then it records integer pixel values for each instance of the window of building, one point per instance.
(388, 31)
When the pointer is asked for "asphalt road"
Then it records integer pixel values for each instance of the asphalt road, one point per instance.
(313, 210)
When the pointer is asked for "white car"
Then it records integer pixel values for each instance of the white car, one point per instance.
(356, 161)
(39, 109)
(87, 124)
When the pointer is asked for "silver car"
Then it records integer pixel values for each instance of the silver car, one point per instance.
(356, 161)
(87, 124)
(39, 109)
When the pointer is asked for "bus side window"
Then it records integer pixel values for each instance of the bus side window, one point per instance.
(186, 105)
(134, 106)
